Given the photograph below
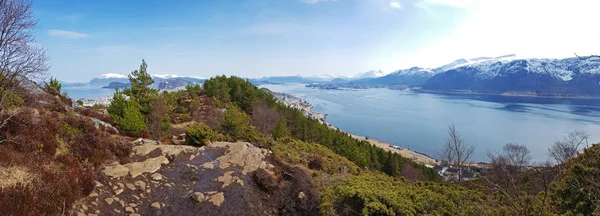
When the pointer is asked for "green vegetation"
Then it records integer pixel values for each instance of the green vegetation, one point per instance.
(127, 114)
(53, 85)
(236, 123)
(140, 90)
(245, 95)
(80, 102)
(200, 135)
(578, 192)
(314, 156)
(280, 130)
(376, 194)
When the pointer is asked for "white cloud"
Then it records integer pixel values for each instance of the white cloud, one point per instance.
(395, 5)
(67, 34)
(531, 29)
(315, 1)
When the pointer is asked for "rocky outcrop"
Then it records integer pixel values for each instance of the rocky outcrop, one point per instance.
(218, 179)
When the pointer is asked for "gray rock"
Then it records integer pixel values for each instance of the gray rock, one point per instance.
(93, 194)
(109, 200)
(84, 207)
(198, 196)
(118, 191)
(117, 211)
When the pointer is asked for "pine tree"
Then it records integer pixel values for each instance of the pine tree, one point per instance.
(280, 130)
(133, 120)
(140, 89)
(116, 107)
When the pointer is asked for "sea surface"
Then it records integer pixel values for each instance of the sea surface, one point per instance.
(87, 91)
(420, 121)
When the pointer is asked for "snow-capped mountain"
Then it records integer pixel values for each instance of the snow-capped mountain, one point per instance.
(112, 75)
(543, 77)
(510, 74)
(161, 81)
(368, 74)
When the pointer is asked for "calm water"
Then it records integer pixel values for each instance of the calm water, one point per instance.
(88, 91)
(419, 121)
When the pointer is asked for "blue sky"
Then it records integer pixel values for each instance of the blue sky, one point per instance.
(255, 38)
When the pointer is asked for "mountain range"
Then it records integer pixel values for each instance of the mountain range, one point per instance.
(510, 75)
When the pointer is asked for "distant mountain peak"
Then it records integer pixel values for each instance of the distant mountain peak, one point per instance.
(369, 74)
(112, 75)
(165, 76)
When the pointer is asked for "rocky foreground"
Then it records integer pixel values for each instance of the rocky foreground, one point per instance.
(220, 179)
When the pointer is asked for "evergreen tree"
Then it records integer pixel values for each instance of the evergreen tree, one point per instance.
(133, 120)
(280, 130)
(116, 107)
(140, 89)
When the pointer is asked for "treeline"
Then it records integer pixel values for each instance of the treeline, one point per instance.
(252, 100)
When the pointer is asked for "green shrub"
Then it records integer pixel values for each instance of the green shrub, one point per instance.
(235, 123)
(80, 102)
(54, 85)
(578, 191)
(11, 100)
(200, 135)
(298, 152)
(378, 194)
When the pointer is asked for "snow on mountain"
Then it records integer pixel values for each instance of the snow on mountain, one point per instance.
(165, 76)
(548, 77)
(112, 75)
(369, 74)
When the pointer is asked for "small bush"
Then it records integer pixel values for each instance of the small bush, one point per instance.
(199, 135)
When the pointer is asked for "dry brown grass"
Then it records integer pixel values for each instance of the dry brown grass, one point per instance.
(11, 176)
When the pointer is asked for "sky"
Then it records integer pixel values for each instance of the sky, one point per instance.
(256, 38)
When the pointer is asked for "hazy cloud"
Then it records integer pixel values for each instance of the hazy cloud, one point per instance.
(67, 34)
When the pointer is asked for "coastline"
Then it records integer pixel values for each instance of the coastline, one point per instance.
(306, 108)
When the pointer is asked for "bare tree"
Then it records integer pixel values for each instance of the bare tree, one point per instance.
(457, 152)
(20, 56)
(158, 118)
(264, 117)
(569, 147)
(505, 176)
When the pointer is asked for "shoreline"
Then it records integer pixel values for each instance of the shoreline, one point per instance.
(306, 108)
